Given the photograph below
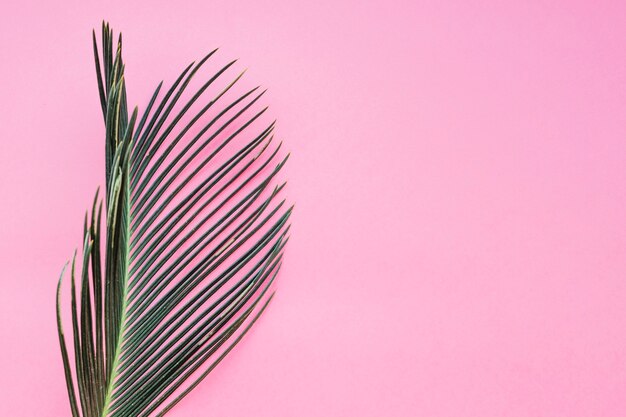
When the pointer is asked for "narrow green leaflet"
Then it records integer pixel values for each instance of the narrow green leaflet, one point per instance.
(194, 236)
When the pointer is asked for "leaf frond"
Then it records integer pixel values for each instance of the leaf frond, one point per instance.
(194, 238)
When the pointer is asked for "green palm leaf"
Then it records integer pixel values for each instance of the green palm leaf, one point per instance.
(195, 233)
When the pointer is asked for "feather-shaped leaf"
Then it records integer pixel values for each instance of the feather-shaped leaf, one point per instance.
(194, 238)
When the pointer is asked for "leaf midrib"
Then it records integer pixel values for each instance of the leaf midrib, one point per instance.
(122, 327)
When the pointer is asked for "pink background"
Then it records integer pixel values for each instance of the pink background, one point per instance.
(459, 171)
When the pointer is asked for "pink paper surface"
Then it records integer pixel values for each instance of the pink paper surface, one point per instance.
(458, 169)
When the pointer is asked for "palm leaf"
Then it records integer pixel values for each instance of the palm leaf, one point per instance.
(194, 238)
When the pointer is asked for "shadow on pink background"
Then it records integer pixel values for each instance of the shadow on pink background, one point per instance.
(459, 172)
